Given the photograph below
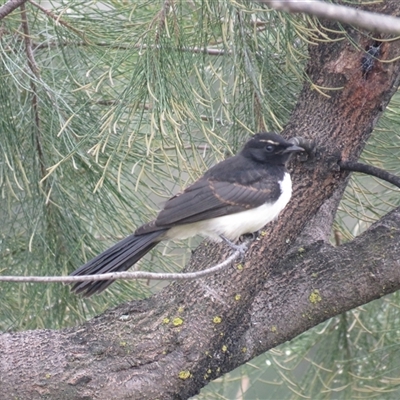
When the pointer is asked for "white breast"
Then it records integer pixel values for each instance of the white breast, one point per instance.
(234, 225)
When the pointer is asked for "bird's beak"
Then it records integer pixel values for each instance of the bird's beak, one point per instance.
(292, 149)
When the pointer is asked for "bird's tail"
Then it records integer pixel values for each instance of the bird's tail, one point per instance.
(117, 258)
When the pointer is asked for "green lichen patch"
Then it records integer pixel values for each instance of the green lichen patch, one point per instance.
(217, 320)
(315, 297)
(177, 321)
(184, 375)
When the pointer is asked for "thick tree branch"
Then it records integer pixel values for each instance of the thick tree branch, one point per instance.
(370, 21)
(325, 280)
(305, 289)
(319, 227)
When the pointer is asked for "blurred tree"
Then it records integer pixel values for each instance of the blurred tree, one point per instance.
(106, 109)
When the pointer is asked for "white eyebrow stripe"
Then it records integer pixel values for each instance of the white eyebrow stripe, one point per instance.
(270, 142)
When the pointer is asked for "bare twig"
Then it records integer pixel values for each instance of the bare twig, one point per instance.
(370, 170)
(202, 50)
(9, 7)
(161, 17)
(56, 18)
(28, 42)
(348, 15)
(35, 70)
(131, 275)
(205, 50)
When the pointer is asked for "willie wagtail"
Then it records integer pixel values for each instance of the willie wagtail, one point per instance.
(238, 195)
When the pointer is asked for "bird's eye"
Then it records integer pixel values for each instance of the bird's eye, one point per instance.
(270, 148)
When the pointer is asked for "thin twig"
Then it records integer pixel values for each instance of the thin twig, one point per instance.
(370, 170)
(56, 18)
(35, 103)
(28, 42)
(149, 107)
(196, 50)
(205, 50)
(363, 19)
(160, 18)
(202, 147)
(202, 50)
(9, 7)
(131, 275)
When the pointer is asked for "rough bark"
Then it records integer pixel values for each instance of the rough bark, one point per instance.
(174, 343)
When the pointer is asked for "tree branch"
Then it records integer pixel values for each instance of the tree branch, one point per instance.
(35, 101)
(305, 289)
(131, 275)
(370, 170)
(319, 227)
(325, 280)
(28, 43)
(9, 7)
(370, 21)
(58, 20)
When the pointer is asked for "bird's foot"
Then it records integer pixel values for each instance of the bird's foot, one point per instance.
(241, 248)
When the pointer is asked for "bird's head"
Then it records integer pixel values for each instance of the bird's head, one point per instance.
(269, 148)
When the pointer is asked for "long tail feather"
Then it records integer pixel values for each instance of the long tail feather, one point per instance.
(119, 257)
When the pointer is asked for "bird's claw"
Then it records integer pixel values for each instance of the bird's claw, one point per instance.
(241, 248)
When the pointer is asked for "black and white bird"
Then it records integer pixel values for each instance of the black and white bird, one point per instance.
(237, 196)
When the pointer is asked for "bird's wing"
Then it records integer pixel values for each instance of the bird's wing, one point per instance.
(208, 198)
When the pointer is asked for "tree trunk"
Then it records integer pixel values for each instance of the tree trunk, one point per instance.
(173, 344)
